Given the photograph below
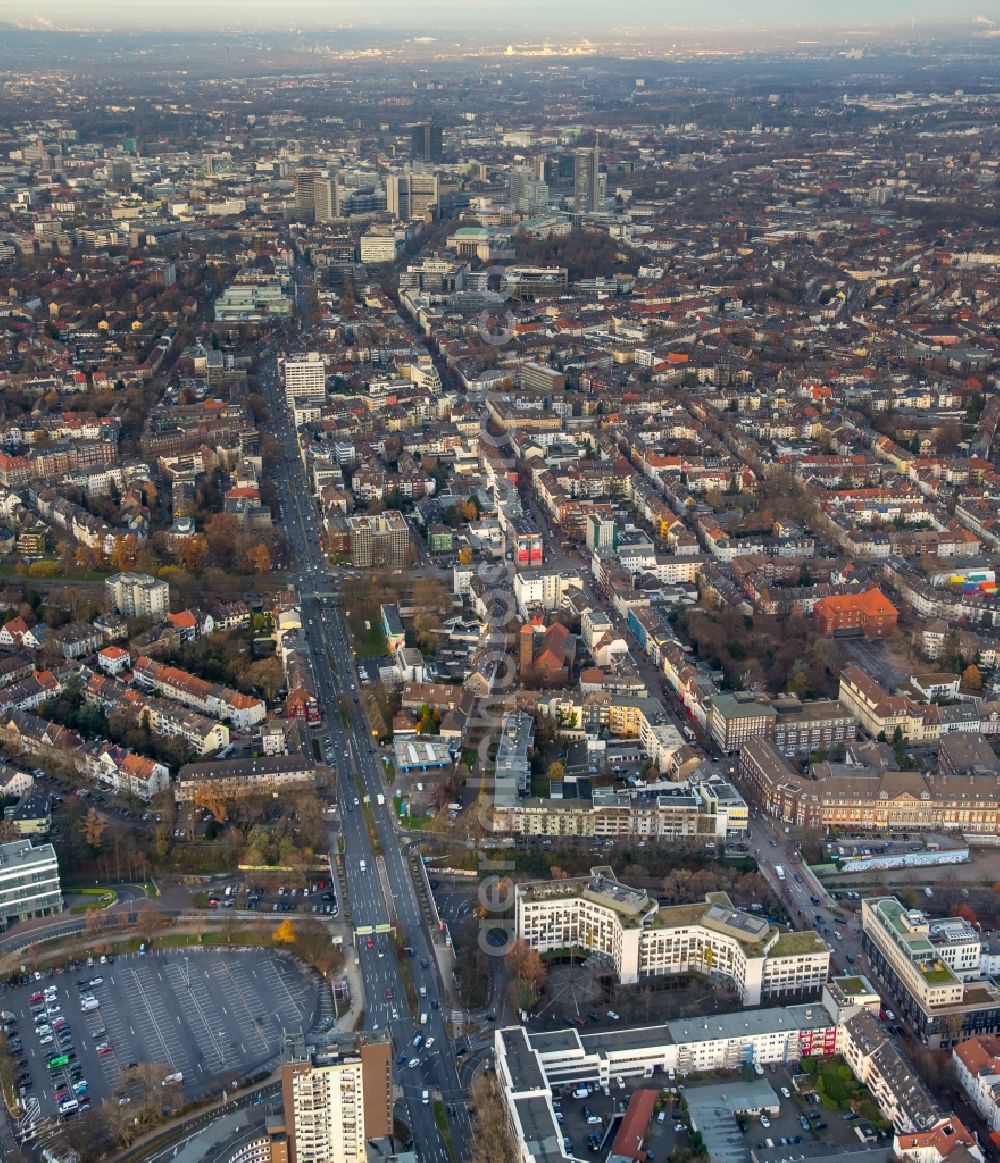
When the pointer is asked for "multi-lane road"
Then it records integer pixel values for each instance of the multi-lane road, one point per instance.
(380, 888)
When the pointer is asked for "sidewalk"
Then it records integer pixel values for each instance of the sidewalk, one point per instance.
(350, 1019)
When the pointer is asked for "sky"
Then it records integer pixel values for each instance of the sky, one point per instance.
(423, 15)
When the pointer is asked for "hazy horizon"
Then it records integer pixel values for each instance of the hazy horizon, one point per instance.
(573, 17)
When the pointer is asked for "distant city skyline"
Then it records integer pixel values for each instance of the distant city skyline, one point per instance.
(572, 17)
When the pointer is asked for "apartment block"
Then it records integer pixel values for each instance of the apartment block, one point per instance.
(234, 707)
(532, 1067)
(929, 968)
(305, 380)
(29, 882)
(137, 595)
(977, 1066)
(882, 714)
(380, 540)
(334, 1101)
(712, 812)
(600, 914)
(233, 778)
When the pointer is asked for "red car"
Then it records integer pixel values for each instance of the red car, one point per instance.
(104, 1050)
(371, 943)
(36, 997)
(389, 995)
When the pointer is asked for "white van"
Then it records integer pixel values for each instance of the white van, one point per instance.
(425, 1097)
(363, 866)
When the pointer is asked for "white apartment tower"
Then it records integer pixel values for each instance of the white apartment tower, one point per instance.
(305, 380)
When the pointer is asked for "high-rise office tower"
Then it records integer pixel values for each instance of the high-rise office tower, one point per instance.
(426, 142)
(397, 196)
(305, 194)
(586, 180)
(410, 194)
(326, 198)
(527, 193)
(120, 173)
(423, 192)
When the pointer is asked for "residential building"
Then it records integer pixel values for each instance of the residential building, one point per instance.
(305, 380)
(380, 540)
(532, 1067)
(929, 969)
(948, 1139)
(977, 1066)
(29, 882)
(710, 812)
(32, 814)
(601, 915)
(258, 775)
(877, 1062)
(138, 595)
(334, 1101)
(229, 706)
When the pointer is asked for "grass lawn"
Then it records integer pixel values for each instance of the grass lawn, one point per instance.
(102, 898)
(368, 642)
(417, 823)
(835, 1083)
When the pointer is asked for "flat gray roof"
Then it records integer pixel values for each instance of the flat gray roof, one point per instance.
(627, 1039)
(713, 1111)
(825, 1153)
(555, 1041)
(749, 1022)
(524, 1070)
(541, 1131)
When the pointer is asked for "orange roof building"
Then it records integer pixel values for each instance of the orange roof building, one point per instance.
(950, 1139)
(628, 1142)
(870, 614)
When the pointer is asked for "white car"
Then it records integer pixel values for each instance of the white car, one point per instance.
(765, 1121)
(428, 1043)
(785, 1092)
(413, 1063)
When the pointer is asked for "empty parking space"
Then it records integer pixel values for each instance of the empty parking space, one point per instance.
(200, 1013)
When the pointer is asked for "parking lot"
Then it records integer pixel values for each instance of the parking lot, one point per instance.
(319, 898)
(591, 1121)
(205, 1014)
